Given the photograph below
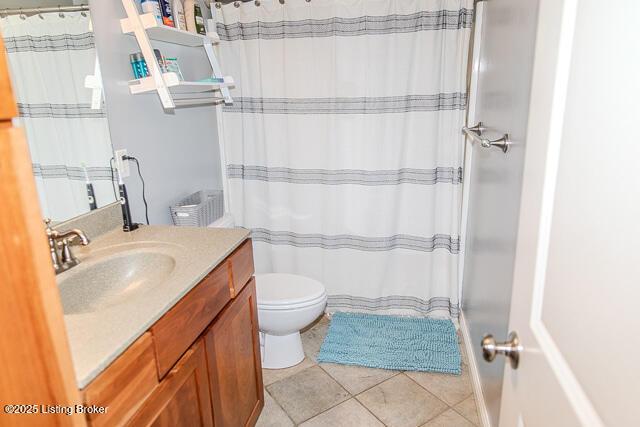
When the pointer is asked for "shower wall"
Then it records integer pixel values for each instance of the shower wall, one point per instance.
(502, 103)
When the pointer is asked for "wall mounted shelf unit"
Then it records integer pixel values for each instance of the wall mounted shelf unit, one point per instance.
(171, 90)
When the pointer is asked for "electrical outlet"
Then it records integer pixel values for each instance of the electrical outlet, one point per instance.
(121, 164)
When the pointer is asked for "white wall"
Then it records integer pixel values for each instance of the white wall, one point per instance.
(178, 151)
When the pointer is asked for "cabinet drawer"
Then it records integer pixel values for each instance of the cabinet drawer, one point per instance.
(174, 333)
(124, 385)
(241, 265)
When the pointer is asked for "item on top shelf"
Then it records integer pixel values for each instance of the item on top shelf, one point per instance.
(173, 67)
(193, 16)
(152, 6)
(178, 15)
(167, 14)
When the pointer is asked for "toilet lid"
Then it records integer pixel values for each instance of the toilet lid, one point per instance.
(286, 289)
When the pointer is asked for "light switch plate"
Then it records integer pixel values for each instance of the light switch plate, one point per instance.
(121, 164)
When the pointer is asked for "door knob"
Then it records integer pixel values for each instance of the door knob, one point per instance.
(510, 348)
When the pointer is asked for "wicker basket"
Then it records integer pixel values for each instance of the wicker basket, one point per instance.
(199, 209)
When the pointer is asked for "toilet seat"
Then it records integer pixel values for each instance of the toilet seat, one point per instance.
(281, 291)
(270, 307)
(287, 303)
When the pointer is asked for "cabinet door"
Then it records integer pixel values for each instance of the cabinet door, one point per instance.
(182, 398)
(233, 357)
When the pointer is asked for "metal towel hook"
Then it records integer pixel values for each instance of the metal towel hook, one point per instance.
(475, 133)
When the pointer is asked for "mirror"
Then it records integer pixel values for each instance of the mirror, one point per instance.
(56, 81)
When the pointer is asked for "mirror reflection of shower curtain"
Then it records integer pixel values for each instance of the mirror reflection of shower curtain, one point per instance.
(49, 58)
(343, 145)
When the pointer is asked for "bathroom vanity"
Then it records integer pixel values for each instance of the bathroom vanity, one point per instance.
(195, 355)
(152, 327)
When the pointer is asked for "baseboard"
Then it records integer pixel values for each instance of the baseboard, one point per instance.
(483, 412)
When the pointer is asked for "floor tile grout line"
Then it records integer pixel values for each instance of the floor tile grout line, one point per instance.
(366, 389)
(350, 396)
(280, 406)
(295, 373)
(369, 410)
(463, 416)
(397, 373)
(355, 396)
(447, 406)
(328, 409)
(471, 393)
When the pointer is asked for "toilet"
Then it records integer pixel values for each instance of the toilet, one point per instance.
(225, 221)
(287, 303)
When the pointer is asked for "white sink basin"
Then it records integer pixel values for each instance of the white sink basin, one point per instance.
(113, 277)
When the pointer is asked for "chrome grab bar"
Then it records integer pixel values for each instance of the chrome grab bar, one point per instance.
(475, 133)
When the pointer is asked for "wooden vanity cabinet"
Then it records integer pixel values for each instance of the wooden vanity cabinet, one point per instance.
(233, 356)
(215, 378)
(174, 332)
(182, 398)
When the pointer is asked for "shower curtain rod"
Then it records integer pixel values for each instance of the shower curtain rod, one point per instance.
(237, 3)
(36, 10)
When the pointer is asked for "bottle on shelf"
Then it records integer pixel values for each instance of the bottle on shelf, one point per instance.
(152, 6)
(193, 16)
(167, 13)
(178, 15)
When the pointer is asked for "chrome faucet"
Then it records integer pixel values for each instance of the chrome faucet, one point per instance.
(60, 246)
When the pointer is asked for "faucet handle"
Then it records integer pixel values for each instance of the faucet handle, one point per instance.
(67, 258)
(51, 236)
(48, 229)
(51, 233)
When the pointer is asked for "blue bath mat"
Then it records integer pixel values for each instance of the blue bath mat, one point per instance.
(392, 342)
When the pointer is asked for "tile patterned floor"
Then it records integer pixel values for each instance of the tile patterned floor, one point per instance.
(328, 395)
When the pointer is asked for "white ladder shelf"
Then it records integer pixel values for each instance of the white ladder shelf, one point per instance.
(171, 90)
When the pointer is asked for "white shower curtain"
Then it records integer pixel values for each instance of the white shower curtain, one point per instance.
(343, 144)
(49, 58)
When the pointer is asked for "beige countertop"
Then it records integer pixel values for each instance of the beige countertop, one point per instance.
(98, 337)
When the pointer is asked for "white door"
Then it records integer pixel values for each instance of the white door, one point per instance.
(577, 268)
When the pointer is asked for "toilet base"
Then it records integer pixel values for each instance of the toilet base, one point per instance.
(281, 351)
